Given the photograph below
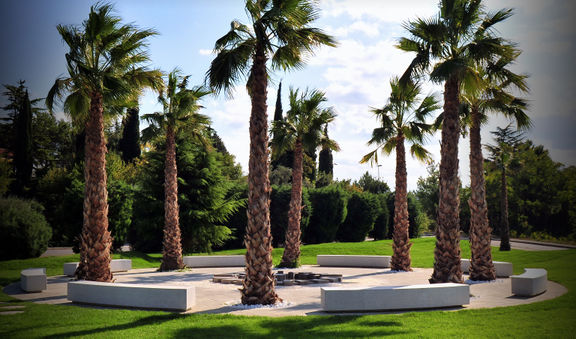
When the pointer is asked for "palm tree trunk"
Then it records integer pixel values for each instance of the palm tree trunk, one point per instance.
(258, 286)
(172, 243)
(481, 266)
(504, 225)
(401, 258)
(447, 252)
(95, 239)
(291, 257)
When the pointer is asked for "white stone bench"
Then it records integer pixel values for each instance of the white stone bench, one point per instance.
(33, 279)
(503, 269)
(530, 283)
(380, 261)
(394, 297)
(116, 265)
(215, 261)
(165, 297)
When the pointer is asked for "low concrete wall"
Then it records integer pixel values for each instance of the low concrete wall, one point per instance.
(532, 282)
(33, 279)
(179, 298)
(354, 260)
(215, 261)
(503, 269)
(116, 265)
(394, 297)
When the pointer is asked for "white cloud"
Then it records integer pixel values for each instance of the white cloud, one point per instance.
(205, 51)
(382, 10)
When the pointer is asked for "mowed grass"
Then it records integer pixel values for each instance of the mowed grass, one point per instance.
(553, 318)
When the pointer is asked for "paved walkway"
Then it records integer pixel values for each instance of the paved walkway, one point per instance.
(298, 300)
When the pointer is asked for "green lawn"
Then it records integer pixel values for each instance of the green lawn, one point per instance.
(553, 318)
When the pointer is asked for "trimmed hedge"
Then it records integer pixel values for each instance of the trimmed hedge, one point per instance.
(363, 209)
(328, 212)
(380, 230)
(25, 232)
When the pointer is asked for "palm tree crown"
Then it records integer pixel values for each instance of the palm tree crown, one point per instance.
(404, 116)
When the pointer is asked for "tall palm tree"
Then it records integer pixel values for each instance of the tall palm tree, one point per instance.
(502, 155)
(180, 113)
(279, 33)
(492, 96)
(402, 119)
(301, 128)
(104, 65)
(446, 46)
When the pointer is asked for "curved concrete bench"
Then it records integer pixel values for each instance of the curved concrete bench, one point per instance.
(394, 297)
(33, 279)
(116, 265)
(378, 261)
(165, 297)
(530, 283)
(503, 269)
(215, 261)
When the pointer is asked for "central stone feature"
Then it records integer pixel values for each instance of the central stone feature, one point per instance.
(282, 279)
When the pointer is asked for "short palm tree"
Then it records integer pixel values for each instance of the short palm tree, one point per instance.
(279, 33)
(180, 114)
(301, 128)
(104, 66)
(446, 46)
(492, 96)
(402, 119)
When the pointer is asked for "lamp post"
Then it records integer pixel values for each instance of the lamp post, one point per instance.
(379, 172)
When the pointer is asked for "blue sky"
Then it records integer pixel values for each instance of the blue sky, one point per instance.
(355, 76)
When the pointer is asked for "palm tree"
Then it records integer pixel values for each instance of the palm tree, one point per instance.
(446, 46)
(402, 119)
(280, 33)
(104, 66)
(300, 129)
(180, 113)
(502, 155)
(492, 96)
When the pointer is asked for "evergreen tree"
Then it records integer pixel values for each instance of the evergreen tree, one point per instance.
(129, 144)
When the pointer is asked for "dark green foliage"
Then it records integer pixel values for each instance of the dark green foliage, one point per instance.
(414, 215)
(120, 202)
(328, 212)
(230, 169)
(53, 143)
(540, 193)
(279, 206)
(278, 109)
(380, 230)
(427, 193)
(202, 196)
(363, 209)
(370, 184)
(25, 232)
(464, 209)
(238, 220)
(326, 161)
(129, 144)
(21, 116)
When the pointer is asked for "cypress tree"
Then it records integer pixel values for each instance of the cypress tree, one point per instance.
(23, 161)
(130, 142)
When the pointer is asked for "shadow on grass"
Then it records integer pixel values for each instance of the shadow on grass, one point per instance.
(186, 326)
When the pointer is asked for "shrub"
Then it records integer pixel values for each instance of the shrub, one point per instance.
(25, 232)
(279, 207)
(363, 209)
(238, 220)
(380, 230)
(328, 212)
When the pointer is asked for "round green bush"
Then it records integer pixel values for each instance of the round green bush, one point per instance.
(25, 232)
(328, 212)
(279, 207)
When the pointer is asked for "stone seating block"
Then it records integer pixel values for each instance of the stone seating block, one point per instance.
(165, 297)
(503, 269)
(33, 279)
(116, 265)
(530, 283)
(215, 261)
(381, 298)
(379, 261)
